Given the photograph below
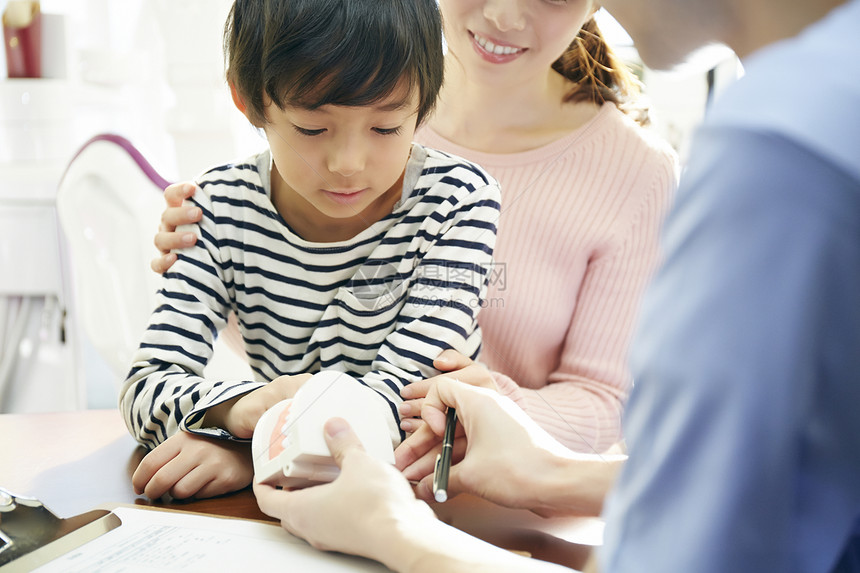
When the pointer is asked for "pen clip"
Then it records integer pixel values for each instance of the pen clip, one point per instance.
(436, 473)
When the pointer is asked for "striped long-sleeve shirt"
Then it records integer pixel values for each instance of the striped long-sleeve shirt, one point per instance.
(380, 306)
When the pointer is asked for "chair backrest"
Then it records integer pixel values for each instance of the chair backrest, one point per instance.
(109, 202)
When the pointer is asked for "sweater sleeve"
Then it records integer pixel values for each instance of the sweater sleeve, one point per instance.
(582, 401)
(165, 383)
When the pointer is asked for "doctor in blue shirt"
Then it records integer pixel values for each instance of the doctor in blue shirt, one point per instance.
(744, 424)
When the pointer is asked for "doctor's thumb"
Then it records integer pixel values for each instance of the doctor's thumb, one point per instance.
(340, 438)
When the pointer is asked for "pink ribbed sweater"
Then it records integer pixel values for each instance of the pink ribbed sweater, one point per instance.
(577, 242)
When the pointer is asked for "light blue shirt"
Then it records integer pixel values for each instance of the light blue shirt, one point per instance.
(744, 422)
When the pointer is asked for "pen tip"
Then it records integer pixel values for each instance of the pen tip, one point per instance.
(441, 496)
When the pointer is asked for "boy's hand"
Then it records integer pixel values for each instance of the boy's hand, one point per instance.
(454, 365)
(175, 214)
(240, 415)
(186, 465)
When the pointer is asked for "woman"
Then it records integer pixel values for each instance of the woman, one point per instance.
(584, 190)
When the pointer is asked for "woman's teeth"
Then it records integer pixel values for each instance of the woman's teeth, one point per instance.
(494, 49)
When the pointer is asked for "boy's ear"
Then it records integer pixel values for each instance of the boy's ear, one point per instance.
(240, 104)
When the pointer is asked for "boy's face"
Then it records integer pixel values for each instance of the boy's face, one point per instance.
(345, 162)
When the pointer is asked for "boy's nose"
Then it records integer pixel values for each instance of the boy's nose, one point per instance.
(507, 15)
(346, 160)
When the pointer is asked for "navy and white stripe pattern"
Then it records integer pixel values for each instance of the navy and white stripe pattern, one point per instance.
(380, 306)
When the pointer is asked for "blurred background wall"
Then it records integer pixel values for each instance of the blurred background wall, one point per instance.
(152, 72)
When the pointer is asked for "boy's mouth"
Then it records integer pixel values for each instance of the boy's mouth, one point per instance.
(345, 196)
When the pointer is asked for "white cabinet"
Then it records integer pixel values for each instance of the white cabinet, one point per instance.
(29, 237)
(38, 371)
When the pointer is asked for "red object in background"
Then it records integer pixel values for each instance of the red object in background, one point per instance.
(24, 49)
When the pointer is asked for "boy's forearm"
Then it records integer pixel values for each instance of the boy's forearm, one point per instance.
(146, 404)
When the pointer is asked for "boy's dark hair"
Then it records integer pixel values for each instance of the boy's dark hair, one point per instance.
(310, 53)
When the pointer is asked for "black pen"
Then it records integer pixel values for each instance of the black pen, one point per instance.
(443, 459)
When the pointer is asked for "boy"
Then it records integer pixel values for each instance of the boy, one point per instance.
(343, 247)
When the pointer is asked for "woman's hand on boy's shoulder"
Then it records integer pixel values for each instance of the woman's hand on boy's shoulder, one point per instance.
(174, 215)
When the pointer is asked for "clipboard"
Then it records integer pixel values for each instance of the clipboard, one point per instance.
(155, 539)
(27, 527)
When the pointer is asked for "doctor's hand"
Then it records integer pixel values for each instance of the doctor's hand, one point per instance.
(240, 415)
(454, 365)
(187, 465)
(361, 512)
(497, 438)
(174, 215)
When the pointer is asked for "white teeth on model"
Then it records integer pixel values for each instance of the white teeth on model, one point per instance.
(492, 48)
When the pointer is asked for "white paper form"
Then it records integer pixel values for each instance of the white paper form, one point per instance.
(151, 540)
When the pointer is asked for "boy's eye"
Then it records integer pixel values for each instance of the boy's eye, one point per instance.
(309, 132)
(388, 131)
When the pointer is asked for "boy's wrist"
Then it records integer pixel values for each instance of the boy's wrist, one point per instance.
(216, 416)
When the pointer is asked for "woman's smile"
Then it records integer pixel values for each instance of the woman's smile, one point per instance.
(495, 51)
